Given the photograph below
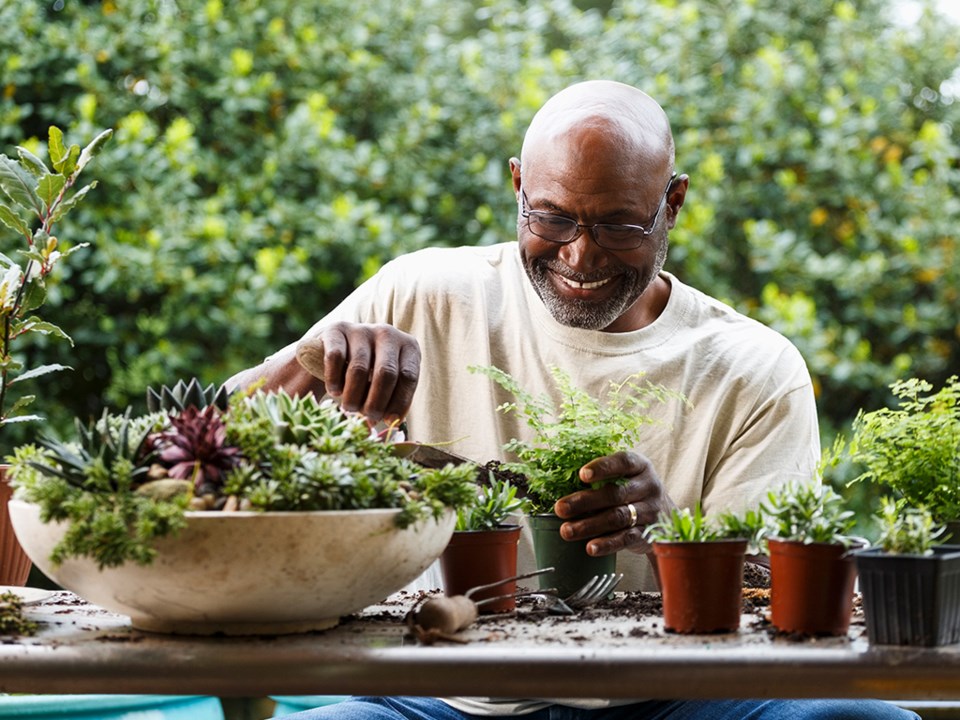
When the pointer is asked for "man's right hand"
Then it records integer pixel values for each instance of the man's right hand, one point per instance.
(372, 369)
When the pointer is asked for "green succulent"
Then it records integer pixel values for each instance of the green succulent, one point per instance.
(93, 483)
(493, 502)
(808, 513)
(187, 394)
(907, 530)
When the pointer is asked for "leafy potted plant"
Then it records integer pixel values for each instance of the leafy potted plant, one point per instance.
(567, 435)
(910, 584)
(483, 548)
(914, 450)
(278, 514)
(700, 567)
(812, 573)
(35, 198)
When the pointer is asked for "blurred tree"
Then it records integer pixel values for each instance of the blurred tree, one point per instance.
(270, 154)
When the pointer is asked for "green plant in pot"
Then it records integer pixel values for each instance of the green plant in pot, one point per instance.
(483, 548)
(567, 434)
(914, 449)
(34, 198)
(910, 583)
(812, 573)
(700, 567)
(285, 511)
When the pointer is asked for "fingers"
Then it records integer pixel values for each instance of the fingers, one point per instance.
(613, 517)
(373, 369)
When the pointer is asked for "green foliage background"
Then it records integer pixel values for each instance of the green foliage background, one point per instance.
(271, 154)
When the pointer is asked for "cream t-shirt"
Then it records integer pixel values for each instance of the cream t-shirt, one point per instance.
(750, 422)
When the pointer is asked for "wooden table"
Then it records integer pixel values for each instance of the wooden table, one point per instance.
(607, 651)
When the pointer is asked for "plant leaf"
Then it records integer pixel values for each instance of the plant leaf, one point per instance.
(21, 419)
(56, 147)
(17, 183)
(32, 162)
(67, 205)
(13, 221)
(40, 370)
(91, 150)
(49, 188)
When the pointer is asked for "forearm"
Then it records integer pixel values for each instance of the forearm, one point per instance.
(280, 371)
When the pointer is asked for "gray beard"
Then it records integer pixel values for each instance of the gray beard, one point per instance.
(599, 315)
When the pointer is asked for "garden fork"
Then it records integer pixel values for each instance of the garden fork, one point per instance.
(595, 590)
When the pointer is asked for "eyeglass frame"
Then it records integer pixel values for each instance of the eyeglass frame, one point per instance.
(594, 234)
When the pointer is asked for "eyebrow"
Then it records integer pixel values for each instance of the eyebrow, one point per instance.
(556, 209)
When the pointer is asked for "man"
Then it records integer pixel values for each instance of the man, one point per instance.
(583, 289)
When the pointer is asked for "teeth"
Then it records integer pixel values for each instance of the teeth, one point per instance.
(584, 286)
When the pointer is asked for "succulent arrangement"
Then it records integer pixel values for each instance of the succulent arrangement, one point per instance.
(126, 480)
(570, 434)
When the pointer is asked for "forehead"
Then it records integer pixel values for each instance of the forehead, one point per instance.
(593, 167)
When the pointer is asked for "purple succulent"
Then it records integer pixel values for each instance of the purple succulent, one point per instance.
(194, 447)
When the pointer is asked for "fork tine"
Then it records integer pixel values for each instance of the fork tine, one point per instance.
(586, 590)
(596, 589)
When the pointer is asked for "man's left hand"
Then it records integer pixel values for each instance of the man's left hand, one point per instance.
(613, 517)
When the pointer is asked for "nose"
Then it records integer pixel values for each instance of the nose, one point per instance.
(582, 254)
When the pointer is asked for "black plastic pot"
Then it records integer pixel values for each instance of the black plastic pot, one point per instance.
(911, 599)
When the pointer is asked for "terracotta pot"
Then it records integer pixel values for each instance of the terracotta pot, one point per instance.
(573, 568)
(480, 557)
(14, 563)
(811, 587)
(701, 584)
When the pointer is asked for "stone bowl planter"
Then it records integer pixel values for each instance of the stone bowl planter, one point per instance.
(247, 573)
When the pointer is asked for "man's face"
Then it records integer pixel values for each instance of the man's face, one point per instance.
(582, 284)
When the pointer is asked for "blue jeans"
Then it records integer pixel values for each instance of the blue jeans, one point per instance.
(416, 708)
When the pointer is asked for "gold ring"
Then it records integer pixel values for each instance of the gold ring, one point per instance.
(633, 514)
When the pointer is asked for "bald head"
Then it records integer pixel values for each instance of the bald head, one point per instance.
(629, 121)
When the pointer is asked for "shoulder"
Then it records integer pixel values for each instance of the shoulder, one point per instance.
(453, 259)
(728, 338)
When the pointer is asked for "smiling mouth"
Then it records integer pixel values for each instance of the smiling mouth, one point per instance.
(583, 285)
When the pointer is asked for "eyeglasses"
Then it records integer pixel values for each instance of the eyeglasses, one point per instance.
(563, 230)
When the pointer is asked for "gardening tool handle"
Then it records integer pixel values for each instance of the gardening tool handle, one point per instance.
(447, 615)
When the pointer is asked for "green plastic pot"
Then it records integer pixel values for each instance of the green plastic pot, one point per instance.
(573, 568)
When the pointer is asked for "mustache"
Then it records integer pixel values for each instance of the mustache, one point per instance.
(554, 265)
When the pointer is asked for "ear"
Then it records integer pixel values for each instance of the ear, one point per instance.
(675, 198)
(515, 172)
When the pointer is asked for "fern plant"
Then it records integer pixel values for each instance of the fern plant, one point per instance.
(571, 433)
(914, 450)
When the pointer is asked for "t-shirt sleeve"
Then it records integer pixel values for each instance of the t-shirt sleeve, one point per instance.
(778, 441)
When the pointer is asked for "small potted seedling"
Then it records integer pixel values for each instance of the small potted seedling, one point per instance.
(483, 548)
(566, 436)
(812, 573)
(910, 584)
(700, 567)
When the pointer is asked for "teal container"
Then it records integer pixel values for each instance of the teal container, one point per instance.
(110, 707)
(290, 704)
(573, 568)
